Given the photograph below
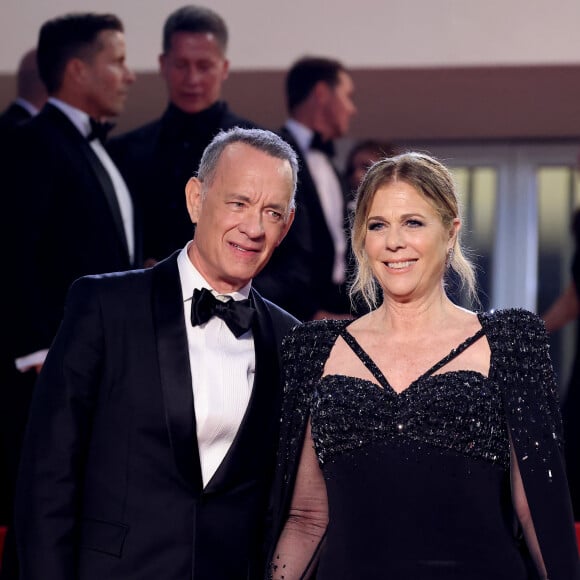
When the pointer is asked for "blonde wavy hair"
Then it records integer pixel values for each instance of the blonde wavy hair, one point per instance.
(432, 180)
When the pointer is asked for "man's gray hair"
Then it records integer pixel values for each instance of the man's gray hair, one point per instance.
(260, 139)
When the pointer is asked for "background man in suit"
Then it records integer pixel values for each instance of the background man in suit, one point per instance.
(158, 158)
(71, 213)
(307, 274)
(30, 95)
(67, 211)
(154, 425)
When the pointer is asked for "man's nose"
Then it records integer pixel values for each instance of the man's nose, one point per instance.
(192, 74)
(252, 225)
(130, 76)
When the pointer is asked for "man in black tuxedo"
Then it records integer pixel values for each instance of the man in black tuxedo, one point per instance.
(71, 213)
(30, 97)
(67, 211)
(17, 386)
(158, 158)
(307, 275)
(153, 430)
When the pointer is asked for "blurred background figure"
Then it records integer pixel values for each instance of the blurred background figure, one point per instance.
(307, 273)
(362, 155)
(67, 211)
(158, 159)
(15, 387)
(566, 309)
(30, 96)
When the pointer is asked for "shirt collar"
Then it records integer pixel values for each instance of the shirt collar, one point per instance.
(191, 279)
(78, 118)
(302, 134)
(27, 105)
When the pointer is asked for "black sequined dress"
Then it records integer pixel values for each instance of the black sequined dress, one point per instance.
(418, 483)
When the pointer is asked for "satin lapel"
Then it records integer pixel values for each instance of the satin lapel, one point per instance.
(109, 191)
(175, 370)
(81, 144)
(256, 441)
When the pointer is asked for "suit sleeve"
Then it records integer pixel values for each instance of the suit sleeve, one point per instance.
(56, 443)
(30, 187)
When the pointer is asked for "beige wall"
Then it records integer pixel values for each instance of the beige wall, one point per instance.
(270, 34)
(424, 70)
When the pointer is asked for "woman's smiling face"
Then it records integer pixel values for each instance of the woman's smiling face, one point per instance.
(406, 242)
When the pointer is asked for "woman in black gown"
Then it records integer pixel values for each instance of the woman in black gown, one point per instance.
(421, 441)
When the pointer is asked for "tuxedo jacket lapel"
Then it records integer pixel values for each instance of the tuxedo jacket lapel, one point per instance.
(109, 191)
(175, 369)
(256, 439)
(81, 144)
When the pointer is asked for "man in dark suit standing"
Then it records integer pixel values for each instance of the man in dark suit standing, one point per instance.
(71, 212)
(158, 158)
(67, 211)
(307, 274)
(30, 96)
(153, 430)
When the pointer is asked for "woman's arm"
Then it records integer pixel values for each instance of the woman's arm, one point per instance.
(296, 553)
(522, 510)
(565, 309)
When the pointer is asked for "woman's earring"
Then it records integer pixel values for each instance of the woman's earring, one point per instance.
(449, 258)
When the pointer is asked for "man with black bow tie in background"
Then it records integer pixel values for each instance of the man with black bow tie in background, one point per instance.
(67, 211)
(158, 158)
(31, 95)
(153, 431)
(307, 275)
(71, 213)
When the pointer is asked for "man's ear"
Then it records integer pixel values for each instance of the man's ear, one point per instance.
(321, 91)
(226, 70)
(163, 65)
(75, 70)
(286, 227)
(193, 198)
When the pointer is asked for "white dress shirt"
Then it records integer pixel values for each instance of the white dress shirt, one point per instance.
(222, 372)
(329, 193)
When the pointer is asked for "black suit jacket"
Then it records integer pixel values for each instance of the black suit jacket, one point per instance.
(62, 221)
(12, 116)
(110, 485)
(158, 159)
(15, 387)
(299, 275)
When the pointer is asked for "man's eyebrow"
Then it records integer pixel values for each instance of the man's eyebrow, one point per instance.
(278, 206)
(243, 197)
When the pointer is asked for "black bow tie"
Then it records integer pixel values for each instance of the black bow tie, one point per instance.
(237, 314)
(99, 130)
(327, 147)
